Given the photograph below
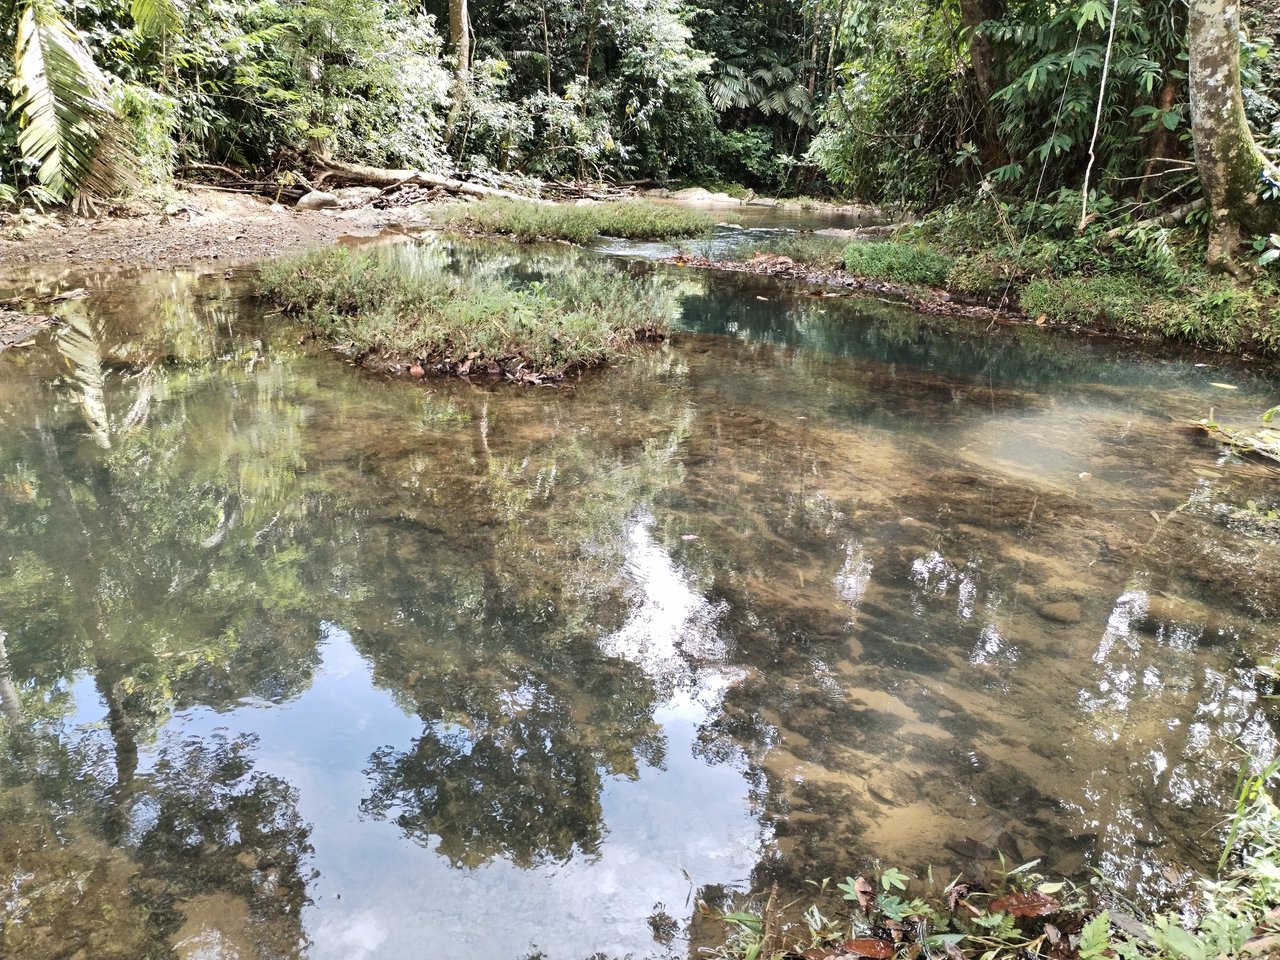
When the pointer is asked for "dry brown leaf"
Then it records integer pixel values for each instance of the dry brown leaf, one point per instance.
(869, 947)
(866, 893)
(1031, 904)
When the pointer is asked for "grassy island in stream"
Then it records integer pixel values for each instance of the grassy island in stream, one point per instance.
(576, 223)
(392, 316)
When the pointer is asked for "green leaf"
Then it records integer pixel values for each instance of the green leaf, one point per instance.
(1092, 10)
(1022, 869)
(748, 920)
(1095, 938)
(893, 878)
(155, 18)
(1178, 941)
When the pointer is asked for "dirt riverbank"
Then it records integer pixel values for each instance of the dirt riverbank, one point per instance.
(199, 226)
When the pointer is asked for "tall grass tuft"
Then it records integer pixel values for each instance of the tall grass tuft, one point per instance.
(629, 219)
(581, 317)
(899, 261)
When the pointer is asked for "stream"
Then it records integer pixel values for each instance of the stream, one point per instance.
(299, 661)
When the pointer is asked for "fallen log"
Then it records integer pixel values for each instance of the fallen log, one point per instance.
(1170, 219)
(17, 327)
(385, 177)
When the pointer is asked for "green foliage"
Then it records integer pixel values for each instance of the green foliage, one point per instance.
(228, 82)
(1231, 915)
(69, 132)
(979, 275)
(898, 261)
(568, 89)
(368, 79)
(634, 220)
(750, 155)
(1211, 311)
(1113, 302)
(1052, 67)
(1268, 250)
(580, 317)
(155, 18)
(928, 108)
(150, 119)
(890, 130)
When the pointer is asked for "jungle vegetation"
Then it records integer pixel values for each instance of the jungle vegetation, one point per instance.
(1115, 106)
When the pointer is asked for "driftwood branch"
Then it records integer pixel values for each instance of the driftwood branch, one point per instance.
(384, 177)
(213, 167)
(1170, 219)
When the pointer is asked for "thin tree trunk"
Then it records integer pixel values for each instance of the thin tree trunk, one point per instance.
(1163, 142)
(460, 35)
(460, 39)
(590, 14)
(546, 46)
(973, 13)
(1230, 165)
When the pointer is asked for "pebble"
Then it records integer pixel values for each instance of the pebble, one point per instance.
(1064, 611)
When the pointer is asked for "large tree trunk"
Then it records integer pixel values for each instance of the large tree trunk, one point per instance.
(1230, 165)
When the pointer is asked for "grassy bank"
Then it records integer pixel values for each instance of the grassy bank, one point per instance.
(630, 219)
(391, 316)
(1131, 280)
(1024, 914)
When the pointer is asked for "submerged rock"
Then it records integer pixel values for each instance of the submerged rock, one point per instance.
(1064, 611)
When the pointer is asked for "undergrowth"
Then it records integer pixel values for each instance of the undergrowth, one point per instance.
(577, 223)
(898, 261)
(1026, 915)
(435, 321)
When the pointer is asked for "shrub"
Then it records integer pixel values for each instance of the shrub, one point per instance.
(150, 119)
(1215, 312)
(980, 276)
(1114, 302)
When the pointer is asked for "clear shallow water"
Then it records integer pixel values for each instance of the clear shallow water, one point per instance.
(303, 662)
(739, 226)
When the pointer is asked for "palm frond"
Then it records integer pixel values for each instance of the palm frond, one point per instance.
(79, 342)
(155, 17)
(67, 126)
